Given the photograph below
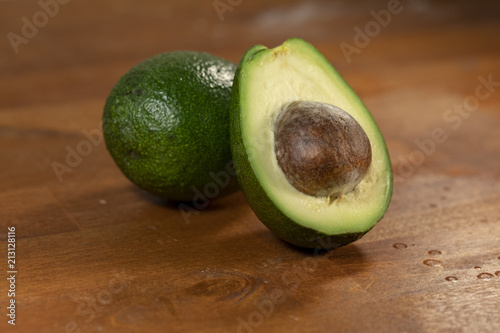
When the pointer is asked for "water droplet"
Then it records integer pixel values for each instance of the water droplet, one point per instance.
(400, 246)
(434, 252)
(451, 278)
(485, 276)
(477, 267)
(432, 262)
(497, 273)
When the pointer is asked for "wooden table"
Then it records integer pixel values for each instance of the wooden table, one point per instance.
(96, 254)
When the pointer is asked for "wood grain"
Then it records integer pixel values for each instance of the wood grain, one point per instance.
(95, 253)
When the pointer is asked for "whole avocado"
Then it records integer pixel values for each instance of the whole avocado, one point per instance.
(166, 125)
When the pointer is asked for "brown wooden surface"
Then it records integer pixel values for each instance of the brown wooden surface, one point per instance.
(96, 254)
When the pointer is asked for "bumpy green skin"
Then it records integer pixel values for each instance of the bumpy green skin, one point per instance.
(166, 125)
(264, 208)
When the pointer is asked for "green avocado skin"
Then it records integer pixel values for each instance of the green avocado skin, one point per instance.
(166, 125)
(275, 219)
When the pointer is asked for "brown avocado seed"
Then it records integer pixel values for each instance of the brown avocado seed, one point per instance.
(320, 148)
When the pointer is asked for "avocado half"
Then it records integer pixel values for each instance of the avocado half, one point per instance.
(266, 80)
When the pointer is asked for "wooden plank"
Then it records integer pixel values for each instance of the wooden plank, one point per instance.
(95, 253)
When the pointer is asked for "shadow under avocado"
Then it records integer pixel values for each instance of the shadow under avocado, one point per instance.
(205, 204)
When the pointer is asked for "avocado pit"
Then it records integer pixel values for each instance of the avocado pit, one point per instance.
(321, 149)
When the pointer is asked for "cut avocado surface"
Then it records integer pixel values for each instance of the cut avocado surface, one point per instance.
(267, 81)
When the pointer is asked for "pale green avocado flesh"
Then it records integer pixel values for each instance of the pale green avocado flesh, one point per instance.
(267, 79)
